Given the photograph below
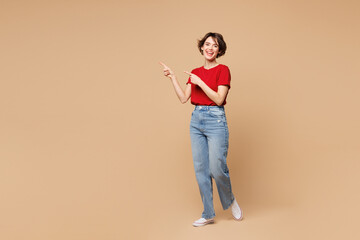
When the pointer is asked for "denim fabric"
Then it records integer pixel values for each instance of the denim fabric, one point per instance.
(209, 143)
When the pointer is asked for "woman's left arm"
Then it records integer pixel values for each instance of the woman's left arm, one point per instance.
(217, 97)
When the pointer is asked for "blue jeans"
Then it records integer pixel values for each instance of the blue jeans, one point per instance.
(209, 143)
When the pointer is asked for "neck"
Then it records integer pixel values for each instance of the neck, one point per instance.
(210, 64)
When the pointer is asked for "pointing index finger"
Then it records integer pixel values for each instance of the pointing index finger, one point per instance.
(163, 65)
(188, 73)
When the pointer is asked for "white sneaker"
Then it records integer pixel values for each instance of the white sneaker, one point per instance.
(236, 211)
(202, 221)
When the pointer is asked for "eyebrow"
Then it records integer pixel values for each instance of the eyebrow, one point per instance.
(210, 43)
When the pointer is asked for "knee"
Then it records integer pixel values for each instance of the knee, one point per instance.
(219, 171)
(216, 173)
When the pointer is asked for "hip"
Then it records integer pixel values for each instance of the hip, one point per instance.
(210, 116)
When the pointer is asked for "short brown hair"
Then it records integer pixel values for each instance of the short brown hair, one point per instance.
(220, 40)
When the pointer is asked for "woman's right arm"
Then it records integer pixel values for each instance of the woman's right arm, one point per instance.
(182, 95)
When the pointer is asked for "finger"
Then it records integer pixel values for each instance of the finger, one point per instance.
(163, 65)
(188, 73)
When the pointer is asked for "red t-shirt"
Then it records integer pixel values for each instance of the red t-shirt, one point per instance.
(213, 77)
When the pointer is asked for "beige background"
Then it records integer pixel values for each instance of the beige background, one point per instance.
(95, 145)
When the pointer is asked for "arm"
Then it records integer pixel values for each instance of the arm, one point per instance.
(217, 97)
(181, 94)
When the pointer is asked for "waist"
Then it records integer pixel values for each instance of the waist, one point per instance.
(206, 107)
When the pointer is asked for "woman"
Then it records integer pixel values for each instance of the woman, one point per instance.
(208, 87)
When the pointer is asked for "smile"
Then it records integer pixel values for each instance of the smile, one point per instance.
(209, 53)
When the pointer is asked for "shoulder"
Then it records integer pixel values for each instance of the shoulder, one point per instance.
(196, 70)
(223, 66)
(223, 69)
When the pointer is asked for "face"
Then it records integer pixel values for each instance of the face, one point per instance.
(210, 48)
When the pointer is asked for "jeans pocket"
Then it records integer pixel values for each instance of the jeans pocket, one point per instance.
(216, 113)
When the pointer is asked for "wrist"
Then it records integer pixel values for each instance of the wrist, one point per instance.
(201, 83)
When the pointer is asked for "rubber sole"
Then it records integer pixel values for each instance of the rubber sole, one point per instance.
(241, 217)
(203, 224)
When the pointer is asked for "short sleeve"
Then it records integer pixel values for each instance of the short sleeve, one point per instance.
(225, 77)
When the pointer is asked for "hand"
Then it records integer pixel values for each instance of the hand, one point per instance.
(194, 78)
(167, 71)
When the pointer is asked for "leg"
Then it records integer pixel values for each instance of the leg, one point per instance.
(218, 147)
(200, 154)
